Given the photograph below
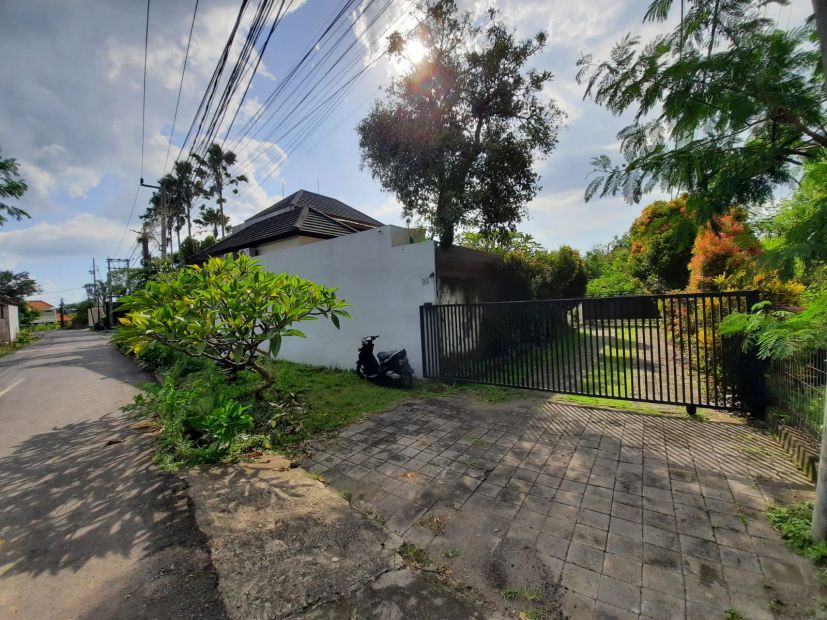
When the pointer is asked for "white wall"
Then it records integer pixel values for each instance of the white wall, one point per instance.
(14, 322)
(384, 283)
(46, 316)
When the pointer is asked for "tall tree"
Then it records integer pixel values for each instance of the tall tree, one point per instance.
(726, 106)
(214, 172)
(458, 135)
(12, 185)
(211, 218)
(17, 286)
(661, 245)
(186, 187)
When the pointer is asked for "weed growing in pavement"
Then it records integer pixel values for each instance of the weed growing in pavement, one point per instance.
(793, 523)
(434, 523)
(414, 554)
(522, 594)
(450, 553)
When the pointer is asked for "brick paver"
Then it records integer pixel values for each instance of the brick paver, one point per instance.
(635, 515)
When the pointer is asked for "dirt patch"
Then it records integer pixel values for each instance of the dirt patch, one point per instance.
(284, 544)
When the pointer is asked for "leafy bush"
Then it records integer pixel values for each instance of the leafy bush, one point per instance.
(553, 274)
(224, 423)
(661, 245)
(793, 523)
(225, 311)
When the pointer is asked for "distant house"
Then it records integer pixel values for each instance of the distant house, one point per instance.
(385, 272)
(46, 311)
(9, 323)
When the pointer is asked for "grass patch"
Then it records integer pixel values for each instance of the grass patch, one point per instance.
(793, 523)
(450, 553)
(521, 594)
(197, 400)
(23, 339)
(620, 405)
(434, 523)
(414, 554)
(733, 614)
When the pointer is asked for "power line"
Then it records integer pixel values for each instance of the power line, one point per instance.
(180, 88)
(143, 106)
(129, 219)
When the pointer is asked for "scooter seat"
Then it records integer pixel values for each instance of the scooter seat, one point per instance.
(385, 355)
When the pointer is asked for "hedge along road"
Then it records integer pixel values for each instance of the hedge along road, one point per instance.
(89, 527)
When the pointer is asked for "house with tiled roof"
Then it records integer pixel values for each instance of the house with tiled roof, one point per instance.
(385, 272)
(47, 313)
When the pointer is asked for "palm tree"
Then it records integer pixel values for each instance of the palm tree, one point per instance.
(11, 186)
(214, 170)
(186, 188)
(211, 217)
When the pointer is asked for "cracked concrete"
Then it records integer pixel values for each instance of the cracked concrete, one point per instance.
(285, 545)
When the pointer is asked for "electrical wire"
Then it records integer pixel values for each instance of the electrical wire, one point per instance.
(180, 87)
(143, 105)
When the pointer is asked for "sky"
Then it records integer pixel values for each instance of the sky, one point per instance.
(71, 114)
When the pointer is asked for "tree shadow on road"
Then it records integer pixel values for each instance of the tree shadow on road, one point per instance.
(89, 490)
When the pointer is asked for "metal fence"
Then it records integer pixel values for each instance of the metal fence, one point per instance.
(654, 348)
(796, 389)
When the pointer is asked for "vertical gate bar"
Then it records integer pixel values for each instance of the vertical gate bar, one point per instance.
(588, 323)
(611, 320)
(537, 323)
(510, 320)
(673, 354)
(569, 363)
(532, 344)
(698, 398)
(422, 337)
(715, 359)
(575, 347)
(636, 349)
(634, 357)
(605, 348)
(644, 310)
(595, 339)
(454, 342)
(449, 341)
(659, 385)
(465, 332)
(729, 397)
(707, 399)
(623, 328)
(458, 330)
(548, 352)
(688, 332)
(556, 346)
(542, 310)
(578, 347)
(526, 344)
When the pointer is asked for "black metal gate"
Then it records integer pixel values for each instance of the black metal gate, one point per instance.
(654, 348)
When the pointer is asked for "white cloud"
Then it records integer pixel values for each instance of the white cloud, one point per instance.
(84, 235)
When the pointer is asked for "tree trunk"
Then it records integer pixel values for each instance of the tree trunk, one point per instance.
(221, 210)
(189, 223)
(163, 236)
(819, 525)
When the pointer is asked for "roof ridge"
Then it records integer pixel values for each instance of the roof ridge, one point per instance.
(302, 216)
(331, 218)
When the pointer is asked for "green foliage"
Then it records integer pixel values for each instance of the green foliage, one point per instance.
(779, 334)
(225, 311)
(726, 106)
(17, 286)
(796, 235)
(457, 138)
(500, 243)
(224, 423)
(216, 178)
(793, 523)
(12, 185)
(552, 274)
(661, 245)
(212, 219)
(608, 269)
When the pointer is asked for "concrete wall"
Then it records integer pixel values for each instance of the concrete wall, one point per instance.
(46, 316)
(9, 323)
(383, 276)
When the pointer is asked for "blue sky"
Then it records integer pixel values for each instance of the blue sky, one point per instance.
(71, 114)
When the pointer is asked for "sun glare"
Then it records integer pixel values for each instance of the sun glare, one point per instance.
(414, 51)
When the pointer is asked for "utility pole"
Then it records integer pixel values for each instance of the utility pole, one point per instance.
(110, 287)
(95, 307)
(62, 312)
(818, 529)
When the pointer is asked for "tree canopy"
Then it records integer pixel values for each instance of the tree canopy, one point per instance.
(661, 245)
(726, 106)
(458, 135)
(12, 185)
(17, 286)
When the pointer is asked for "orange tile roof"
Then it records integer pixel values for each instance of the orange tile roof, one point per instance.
(40, 305)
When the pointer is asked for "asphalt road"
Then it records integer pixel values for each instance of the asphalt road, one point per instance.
(89, 528)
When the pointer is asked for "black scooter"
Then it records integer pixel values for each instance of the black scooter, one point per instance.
(391, 368)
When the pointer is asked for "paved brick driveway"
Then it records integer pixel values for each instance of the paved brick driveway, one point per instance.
(582, 512)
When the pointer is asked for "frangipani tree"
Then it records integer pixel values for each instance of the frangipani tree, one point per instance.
(226, 311)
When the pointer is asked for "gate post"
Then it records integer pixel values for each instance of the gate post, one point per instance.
(754, 387)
